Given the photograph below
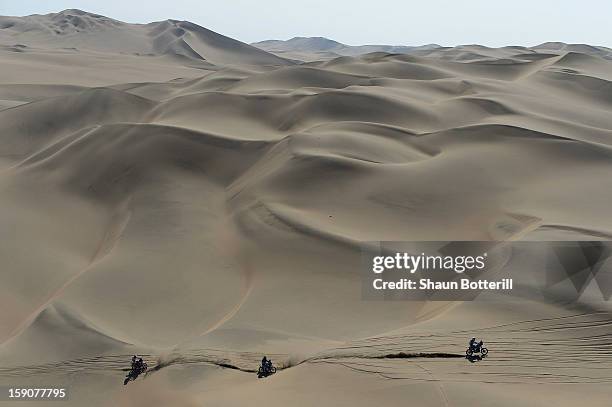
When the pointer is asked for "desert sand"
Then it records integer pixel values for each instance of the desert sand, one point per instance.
(171, 192)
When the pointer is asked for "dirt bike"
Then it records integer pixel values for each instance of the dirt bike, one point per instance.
(476, 349)
(265, 371)
(134, 373)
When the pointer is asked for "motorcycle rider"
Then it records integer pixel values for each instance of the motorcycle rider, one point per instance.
(138, 367)
(137, 363)
(264, 364)
(475, 346)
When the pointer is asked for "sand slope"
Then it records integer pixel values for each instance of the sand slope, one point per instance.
(209, 207)
(87, 31)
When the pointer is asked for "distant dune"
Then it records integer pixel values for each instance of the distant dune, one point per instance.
(313, 48)
(171, 192)
(318, 48)
(75, 29)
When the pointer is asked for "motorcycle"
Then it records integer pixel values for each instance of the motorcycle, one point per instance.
(134, 373)
(265, 371)
(476, 349)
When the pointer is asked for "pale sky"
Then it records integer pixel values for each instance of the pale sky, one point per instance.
(355, 22)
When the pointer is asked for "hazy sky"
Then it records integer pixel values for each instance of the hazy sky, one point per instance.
(446, 22)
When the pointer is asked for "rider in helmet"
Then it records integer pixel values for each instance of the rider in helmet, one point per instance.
(137, 363)
(264, 363)
(473, 344)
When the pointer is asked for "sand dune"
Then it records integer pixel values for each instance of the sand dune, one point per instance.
(318, 48)
(310, 49)
(179, 194)
(75, 29)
